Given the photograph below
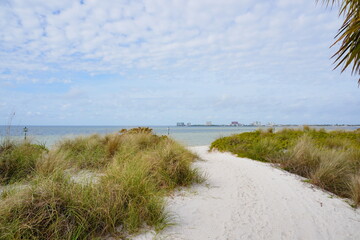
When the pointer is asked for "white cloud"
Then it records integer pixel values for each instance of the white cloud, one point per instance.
(172, 58)
(150, 33)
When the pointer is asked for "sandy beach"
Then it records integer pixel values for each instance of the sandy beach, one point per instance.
(246, 199)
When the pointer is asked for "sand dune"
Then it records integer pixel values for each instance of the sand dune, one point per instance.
(245, 199)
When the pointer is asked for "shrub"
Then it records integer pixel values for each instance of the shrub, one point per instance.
(266, 149)
(137, 130)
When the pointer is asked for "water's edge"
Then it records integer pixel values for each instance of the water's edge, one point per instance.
(188, 136)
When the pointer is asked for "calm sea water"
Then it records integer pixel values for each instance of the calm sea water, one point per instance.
(189, 136)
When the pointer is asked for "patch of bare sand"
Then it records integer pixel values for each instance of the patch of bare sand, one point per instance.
(246, 199)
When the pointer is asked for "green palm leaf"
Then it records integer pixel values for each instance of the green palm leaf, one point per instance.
(348, 35)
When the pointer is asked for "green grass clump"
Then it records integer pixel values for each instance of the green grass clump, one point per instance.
(84, 152)
(259, 145)
(354, 186)
(18, 160)
(137, 170)
(302, 158)
(95, 151)
(58, 208)
(330, 160)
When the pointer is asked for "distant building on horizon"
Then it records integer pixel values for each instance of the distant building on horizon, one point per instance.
(208, 123)
(234, 124)
(257, 123)
(188, 124)
(180, 124)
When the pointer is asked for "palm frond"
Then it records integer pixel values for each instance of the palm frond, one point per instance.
(329, 2)
(348, 35)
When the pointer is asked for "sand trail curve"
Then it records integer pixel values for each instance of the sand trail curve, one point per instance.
(246, 199)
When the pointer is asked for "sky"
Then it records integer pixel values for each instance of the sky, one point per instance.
(158, 62)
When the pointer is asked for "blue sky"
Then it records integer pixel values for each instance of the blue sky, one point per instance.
(158, 62)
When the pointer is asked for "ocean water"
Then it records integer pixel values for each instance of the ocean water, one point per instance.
(189, 136)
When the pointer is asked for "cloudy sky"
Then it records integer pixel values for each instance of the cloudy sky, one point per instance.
(157, 62)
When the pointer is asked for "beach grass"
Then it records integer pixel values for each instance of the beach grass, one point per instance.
(18, 160)
(136, 170)
(329, 159)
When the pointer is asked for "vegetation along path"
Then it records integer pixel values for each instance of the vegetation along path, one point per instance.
(246, 199)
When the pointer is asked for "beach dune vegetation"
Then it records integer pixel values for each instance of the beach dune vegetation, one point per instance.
(18, 160)
(133, 169)
(329, 159)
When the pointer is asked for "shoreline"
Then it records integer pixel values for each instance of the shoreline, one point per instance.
(188, 136)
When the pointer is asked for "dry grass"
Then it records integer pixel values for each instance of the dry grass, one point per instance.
(84, 152)
(303, 158)
(18, 160)
(57, 208)
(137, 170)
(354, 186)
(333, 172)
(330, 160)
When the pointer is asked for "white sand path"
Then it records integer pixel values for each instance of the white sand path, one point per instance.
(246, 199)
